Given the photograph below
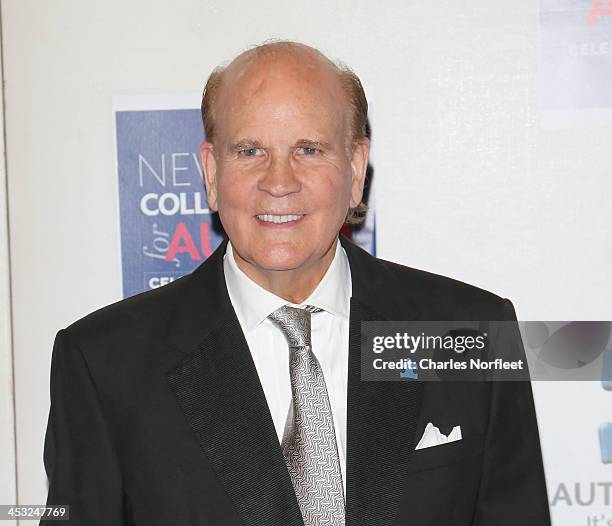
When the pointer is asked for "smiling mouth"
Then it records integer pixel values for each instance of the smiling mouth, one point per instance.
(272, 218)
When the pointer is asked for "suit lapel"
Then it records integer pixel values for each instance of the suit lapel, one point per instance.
(382, 417)
(218, 389)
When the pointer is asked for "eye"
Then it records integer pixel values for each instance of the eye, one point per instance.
(250, 152)
(309, 151)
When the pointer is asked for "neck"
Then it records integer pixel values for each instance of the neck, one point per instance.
(293, 285)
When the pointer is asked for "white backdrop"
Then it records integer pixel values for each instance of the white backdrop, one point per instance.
(469, 182)
(7, 422)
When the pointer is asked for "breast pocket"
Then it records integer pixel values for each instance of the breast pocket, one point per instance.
(446, 454)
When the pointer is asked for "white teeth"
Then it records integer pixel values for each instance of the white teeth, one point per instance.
(278, 219)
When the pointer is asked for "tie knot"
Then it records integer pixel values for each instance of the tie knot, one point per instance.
(294, 322)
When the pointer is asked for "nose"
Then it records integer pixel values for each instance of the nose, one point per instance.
(279, 178)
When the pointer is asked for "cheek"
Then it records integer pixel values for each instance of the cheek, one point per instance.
(234, 191)
(335, 191)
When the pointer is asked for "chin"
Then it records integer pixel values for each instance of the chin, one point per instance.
(280, 257)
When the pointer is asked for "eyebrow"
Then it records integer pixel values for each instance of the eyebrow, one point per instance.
(307, 143)
(243, 144)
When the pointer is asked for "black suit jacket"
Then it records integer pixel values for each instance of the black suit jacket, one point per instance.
(158, 416)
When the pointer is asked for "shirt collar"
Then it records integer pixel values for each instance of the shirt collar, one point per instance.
(253, 304)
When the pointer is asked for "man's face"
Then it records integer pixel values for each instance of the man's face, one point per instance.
(283, 172)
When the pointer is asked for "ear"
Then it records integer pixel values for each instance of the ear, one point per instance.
(209, 166)
(359, 165)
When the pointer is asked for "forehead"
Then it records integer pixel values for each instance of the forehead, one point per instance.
(280, 85)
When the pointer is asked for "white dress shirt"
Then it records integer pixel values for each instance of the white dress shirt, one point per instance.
(330, 337)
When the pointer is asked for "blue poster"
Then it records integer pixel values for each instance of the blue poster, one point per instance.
(166, 226)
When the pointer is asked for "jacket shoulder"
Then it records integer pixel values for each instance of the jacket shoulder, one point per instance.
(439, 296)
(145, 313)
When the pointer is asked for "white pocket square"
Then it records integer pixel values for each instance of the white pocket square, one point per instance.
(433, 437)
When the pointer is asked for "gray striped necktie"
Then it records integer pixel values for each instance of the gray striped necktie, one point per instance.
(309, 440)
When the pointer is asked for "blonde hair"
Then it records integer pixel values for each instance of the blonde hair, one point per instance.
(350, 82)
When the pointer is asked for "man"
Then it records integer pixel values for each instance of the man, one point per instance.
(233, 396)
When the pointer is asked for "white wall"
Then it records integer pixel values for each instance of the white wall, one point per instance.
(7, 420)
(469, 183)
